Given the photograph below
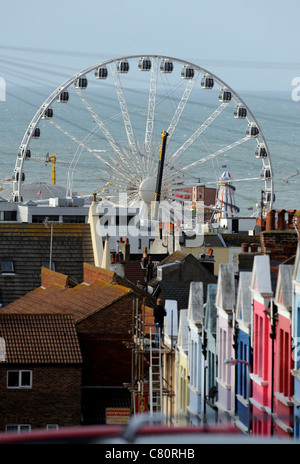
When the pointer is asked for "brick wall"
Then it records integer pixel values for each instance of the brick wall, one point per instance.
(103, 338)
(55, 398)
(280, 238)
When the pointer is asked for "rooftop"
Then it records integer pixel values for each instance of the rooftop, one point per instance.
(40, 338)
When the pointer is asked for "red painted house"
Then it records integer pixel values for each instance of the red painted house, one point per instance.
(283, 361)
(261, 376)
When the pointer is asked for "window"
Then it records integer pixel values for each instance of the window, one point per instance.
(7, 266)
(19, 379)
(10, 215)
(40, 219)
(52, 427)
(18, 428)
(74, 219)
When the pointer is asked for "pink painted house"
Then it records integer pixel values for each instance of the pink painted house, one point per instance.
(261, 376)
(283, 359)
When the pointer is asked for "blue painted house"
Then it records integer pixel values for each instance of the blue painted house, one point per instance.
(243, 351)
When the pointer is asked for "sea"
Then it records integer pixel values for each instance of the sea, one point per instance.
(82, 150)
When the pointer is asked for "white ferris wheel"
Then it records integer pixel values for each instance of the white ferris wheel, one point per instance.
(105, 124)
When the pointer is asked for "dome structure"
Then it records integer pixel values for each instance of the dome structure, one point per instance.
(37, 191)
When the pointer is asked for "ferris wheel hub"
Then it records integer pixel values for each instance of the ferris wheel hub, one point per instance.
(147, 189)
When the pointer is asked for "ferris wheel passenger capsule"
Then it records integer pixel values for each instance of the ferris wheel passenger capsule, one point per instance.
(81, 83)
(101, 72)
(63, 97)
(261, 152)
(16, 176)
(48, 113)
(224, 96)
(240, 112)
(265, 173)
(144, 64)
(267, 196)
(252, 130)
(207, 82)
(187, 72)
(122, 66)
(166, 66)
(21, 152)
(36, 133)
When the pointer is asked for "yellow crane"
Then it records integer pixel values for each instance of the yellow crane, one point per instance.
(52, 159)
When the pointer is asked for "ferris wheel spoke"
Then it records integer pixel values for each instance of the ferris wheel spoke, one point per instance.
(179, 110)
(104, 130)
(95, 154)
(212, 155)
(197, 133)
(132, 143)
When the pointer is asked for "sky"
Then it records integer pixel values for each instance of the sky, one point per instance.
(250, 45)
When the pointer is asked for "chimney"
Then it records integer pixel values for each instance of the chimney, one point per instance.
(253, 247)
(244, 247)
(291, 213)
(270, 220)
(281, 224)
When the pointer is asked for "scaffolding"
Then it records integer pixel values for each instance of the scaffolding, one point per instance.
(149, 385)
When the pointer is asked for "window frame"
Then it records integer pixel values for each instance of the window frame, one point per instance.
(18, 428)
(20, 373)
(7, 261)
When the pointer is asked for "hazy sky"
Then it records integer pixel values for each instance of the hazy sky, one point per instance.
(249, 44)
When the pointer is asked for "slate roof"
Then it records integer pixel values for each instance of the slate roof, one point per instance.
(28, 245)
(178, 291)
(134, 272)
(40, 338)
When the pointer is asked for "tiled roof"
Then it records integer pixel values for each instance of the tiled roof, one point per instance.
(82, 300)
(173, 258)
(133, 271)
(42, 338)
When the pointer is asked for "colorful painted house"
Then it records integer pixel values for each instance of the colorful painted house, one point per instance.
(225, 304)
(296, 343)
(261, 376)
(243, 352)
(195, 356)
(182, 371)
(210, 356)
(283, 364)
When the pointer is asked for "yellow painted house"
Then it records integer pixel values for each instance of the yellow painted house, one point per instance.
(182, 371)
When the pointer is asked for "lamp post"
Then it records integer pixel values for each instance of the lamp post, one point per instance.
(234, 362)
